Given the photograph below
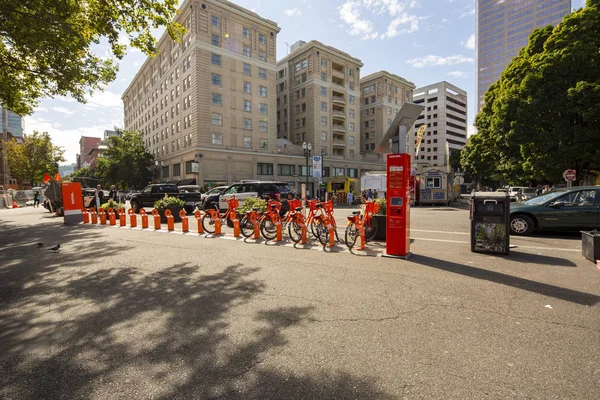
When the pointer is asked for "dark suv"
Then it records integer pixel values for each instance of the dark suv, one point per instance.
(275, 190)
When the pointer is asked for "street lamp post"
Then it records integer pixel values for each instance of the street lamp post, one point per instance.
(307, 150)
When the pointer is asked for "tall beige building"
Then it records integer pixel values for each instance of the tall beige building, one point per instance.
(382, 95)
(503, 28)
(318, 94)
(210, 99)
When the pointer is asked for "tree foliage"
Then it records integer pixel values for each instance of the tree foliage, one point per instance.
(125, 162)
(542, 116)
(46, 45)
(33, 158)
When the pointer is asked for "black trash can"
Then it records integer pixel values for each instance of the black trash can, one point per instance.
(590, 245)
(490, 222)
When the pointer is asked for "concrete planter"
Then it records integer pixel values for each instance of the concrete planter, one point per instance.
(590, 245)
(381, 229)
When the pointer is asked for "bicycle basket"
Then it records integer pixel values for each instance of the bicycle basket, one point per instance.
(328, 206)
(294, 203)
(233, 203)
(371, 207)
(312, 204)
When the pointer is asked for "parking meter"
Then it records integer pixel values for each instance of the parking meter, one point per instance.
(398, 205)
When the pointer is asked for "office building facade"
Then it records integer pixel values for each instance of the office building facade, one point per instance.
(86, 145)
(445, 116)
(16, 123)
(503, 28)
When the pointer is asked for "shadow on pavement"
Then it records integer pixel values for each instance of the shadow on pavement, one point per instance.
(550, 261)
(572, 296)
(67, 331)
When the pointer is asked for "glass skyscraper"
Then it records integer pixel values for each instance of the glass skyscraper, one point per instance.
(15, 123)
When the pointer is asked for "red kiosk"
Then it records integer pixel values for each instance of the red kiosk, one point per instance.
(395, 141)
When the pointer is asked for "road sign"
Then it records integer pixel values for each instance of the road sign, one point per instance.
(570, 175)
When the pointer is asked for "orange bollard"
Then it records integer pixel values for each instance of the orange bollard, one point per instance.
(112, 218)
(132, 218)
(170, 220)
(256, 229)
(236, 224)
(122, 218)
(279, 237)
(304, 238)
(144, 219)
(86, 216)
(102, 215)
(94, 216)
(214, 214)
(156, 216)
(331, 236)
(198, 216)
(184, 221)
(361, 230)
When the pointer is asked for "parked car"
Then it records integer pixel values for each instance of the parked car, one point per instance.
(208, 199)
(513, 192)
(275, 190)
(190, 189)
(576, 208)
(151, 193)
(526, 194)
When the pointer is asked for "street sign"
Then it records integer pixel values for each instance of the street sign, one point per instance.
(317, 167)
(570, 175)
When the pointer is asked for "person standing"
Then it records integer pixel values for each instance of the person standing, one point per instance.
(370, 194)
(36, 199)
(98, 197)
(350, 199)
(113, 194)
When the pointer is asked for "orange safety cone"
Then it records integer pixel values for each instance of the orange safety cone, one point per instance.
(156, 216)
(185, 227)
(93, 216)
(144, 219)
(86, 216)
(112, 217)
(170, 220)
(198, 216)
(132, 218)
(102, 215)
(122, 218)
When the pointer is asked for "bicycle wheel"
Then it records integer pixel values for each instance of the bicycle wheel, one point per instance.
(351, 235)
(371, 229)
(323, 233)
(208, 224)
(246, 226)
(314, 227)
(332, 221)
(268, 228)
(295, 231)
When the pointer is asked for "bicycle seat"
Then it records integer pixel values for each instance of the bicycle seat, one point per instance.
(356, 212)
(298, 209)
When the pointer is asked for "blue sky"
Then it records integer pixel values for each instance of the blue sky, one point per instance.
(424, 41)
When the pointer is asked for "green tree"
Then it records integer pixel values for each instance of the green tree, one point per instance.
(46, 45)
(125, 163)
(33, 158)
(541, 117)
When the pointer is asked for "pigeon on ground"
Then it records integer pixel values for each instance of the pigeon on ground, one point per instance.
(55, 248)
(40, 244)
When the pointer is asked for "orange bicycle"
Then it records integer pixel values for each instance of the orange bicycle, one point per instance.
(247, 222)
(367, 222)
(270, 219)
(295, 222)
(208, 221)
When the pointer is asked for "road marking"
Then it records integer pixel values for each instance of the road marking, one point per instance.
(456, 233)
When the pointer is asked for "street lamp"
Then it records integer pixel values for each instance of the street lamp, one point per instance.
(307, 150)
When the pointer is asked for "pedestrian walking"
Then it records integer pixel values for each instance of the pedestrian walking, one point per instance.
(113, 194)
(36, 199)
(350, 198)
(98, 198)
(370, 194)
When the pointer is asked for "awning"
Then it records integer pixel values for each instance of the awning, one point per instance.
(190, 181)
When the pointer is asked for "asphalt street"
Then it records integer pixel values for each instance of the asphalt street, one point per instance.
(130, 313)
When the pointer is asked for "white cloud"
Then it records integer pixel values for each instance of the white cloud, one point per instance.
(40, 109)
(63, 110)
(436, 61)
(467, 13)
(105, 99)
(293, 12)
(457, 74)
(471, 130)
(351, 14)
(470, 43)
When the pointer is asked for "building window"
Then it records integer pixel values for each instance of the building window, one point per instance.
(352, 172)
(351, 126)
(338, 171)
(261, 38)
(247, 87)
(217, 100)
(165, 170)
(217, 138)
(188, 167)
(262, 109)
(351, 113)
(323, 121)
(246, 51)
(261, 56)
(372, 146)
(247, 142)
(323, 106)
(324, 76)
(216, 40)
(286, 169)
(350, 139)
(324, 136)
(351, 99)
(247, 124)
(264, 169)
(216, 21)
(217, 119)
(215, 60)
(264, 144)
(351, 154)
(323, 62)
(216, 79)
(246, 33)
(433, 182)
(350, 71)
(176, 169)
(247, 106)
(262, 91)
(247, 69)
(262, 73)
(262, 126)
